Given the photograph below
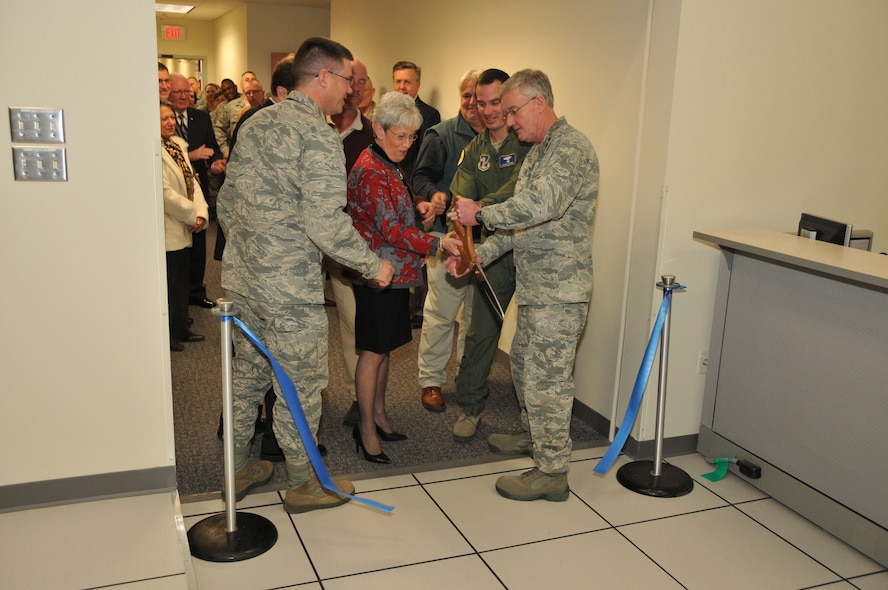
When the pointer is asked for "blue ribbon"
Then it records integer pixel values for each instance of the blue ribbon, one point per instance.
(292, 397)
(644, 372)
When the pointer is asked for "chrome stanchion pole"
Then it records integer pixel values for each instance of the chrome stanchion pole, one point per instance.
(230, 536)
(655, 478)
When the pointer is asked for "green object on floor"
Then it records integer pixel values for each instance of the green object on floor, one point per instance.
(721, 468)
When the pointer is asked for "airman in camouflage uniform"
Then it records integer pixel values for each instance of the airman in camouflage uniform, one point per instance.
(547, 224)
(281, 208)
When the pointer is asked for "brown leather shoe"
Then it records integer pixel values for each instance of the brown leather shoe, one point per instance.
(432, 399)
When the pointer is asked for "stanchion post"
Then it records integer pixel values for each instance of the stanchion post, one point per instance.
(668, 282)
(654, 478)
(230, 536)
(226, 310)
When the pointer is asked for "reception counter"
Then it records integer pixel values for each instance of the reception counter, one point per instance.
(797, 383)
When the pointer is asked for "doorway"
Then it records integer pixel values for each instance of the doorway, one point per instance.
(186, 66)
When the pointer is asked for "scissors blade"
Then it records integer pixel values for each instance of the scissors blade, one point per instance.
(491, 294)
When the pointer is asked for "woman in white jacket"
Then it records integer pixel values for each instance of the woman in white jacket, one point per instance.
(185, 212)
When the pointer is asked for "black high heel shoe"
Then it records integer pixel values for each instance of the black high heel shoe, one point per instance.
(389, 436)
(359, 446)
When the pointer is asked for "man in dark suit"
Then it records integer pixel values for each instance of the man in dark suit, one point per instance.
(406, 80)
(195, 127)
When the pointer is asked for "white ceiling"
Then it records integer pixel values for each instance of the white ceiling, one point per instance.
(213, 9)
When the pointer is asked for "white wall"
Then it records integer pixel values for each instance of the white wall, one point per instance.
(84, 374)
(764, 109)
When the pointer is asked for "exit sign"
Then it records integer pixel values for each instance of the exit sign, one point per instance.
(173, 33)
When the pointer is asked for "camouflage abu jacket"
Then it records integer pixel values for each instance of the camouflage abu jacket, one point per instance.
(281, 207)
(550, 217)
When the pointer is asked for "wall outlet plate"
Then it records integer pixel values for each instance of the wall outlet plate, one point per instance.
(36, 125)
(39, 163)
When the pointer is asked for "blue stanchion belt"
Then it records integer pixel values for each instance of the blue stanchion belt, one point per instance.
(292, 397)
(644, 372)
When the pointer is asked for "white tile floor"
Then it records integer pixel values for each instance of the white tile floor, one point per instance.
(449, 530)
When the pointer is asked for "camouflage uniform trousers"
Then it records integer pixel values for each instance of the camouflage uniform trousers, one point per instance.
(483, 335)
(295, 335)
(542, 359)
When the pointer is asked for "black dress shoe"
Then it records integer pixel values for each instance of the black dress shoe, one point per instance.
(176, 347)
(359, 446)
(192, 337)
(389, 436)
(352, 416)
(203, 302)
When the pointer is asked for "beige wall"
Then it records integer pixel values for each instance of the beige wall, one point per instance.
(280, 29)
(198, 42)
(245, 38)
(600, 95)
(704, 115)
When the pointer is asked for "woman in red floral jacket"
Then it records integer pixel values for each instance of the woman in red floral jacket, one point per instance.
(382, 209)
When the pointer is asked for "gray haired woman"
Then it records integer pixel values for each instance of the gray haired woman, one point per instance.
(381, 206)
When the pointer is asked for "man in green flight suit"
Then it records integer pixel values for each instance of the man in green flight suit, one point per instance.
(487, 173)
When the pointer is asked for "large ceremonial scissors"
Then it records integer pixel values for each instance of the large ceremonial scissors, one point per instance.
(469, 259)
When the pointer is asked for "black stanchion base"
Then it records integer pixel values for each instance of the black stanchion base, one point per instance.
(209, 540)
(638, 476)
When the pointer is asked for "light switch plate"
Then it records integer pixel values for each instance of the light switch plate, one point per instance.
(36, 125)
(39, 163)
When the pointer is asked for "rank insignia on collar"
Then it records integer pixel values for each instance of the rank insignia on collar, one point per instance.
(484, 163)
(507, 160)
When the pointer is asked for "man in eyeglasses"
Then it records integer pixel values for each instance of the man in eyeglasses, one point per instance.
(195, 127)
(356, 132)
(406, 79)
(440, 301)
(281, 208)
(547, 225)
(255, 96)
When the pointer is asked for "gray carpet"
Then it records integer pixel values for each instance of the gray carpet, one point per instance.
(197, 402)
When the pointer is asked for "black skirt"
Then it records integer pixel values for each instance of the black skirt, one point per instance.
(382, 319)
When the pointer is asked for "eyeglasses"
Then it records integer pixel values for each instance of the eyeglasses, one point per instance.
(350, 81)
(252, 92)
(514, 110)
(180, 92)
(403, 136)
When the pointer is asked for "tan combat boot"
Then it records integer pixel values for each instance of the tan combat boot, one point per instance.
(511, 444)
(313, 496)
(253, 475)
(533, 485)
(464, 429)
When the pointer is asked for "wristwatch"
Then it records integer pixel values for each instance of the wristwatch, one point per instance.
(478, 217)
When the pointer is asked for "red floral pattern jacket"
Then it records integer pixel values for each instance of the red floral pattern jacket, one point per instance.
(381, 209)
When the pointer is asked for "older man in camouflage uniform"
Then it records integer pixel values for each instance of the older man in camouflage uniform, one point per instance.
(548, 227)
(282, 209)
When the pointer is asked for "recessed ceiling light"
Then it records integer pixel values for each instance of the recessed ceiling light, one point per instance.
(174, 8)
